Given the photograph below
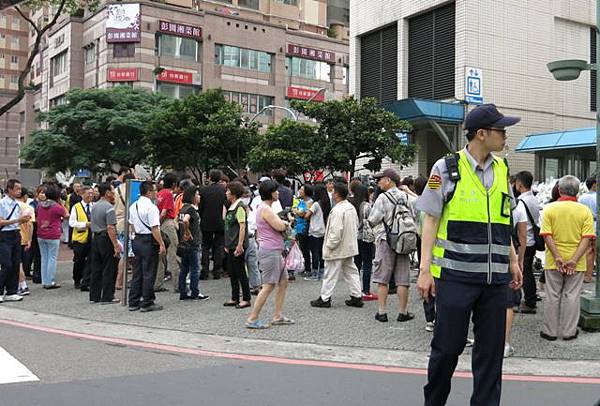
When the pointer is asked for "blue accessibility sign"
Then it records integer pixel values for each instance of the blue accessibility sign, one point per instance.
(473, 86)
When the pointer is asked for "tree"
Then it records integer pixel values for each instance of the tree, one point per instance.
(358, 131)
(290, 145)
(58, 7)
(199, 133)
(94, 129)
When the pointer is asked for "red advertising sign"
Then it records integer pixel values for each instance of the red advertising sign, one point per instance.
(175, 76)
(311, 53)
(122, 75)
(304, 94)
(181, 30)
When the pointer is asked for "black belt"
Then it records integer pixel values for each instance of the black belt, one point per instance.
(143, 235)
(11, 231)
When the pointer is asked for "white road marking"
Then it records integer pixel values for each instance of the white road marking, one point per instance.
(12, 370)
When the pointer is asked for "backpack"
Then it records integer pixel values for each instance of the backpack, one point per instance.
(367, 230)
(401, 235)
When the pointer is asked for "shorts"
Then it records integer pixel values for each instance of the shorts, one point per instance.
(387, 264)
(513, 297)
(270, 263)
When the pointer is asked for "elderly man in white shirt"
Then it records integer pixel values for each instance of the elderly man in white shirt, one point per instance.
(147, 246)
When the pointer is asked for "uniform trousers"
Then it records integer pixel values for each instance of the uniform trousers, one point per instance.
(103, 269)
(141, 292)
(456, 302)
(349, 271)
(81, 255)
(10, 260)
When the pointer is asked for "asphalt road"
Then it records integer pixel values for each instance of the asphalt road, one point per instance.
(73, 372)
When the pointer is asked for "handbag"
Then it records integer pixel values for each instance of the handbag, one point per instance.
(164, 236)
(540, 244)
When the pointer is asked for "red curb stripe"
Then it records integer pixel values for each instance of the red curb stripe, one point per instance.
(290, 361)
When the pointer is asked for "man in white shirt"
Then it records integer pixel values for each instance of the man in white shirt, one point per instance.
(147, 246)
(526, 250)
(80, 221)
(589, 199)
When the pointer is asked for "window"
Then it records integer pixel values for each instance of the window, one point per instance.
(125, 50)
(253, 4)
(58, 101)
(14, 79)
(178, 47)
(14, 42)
(379, 64)
(431, 50)
(117, 84)
(290, 2)
(309, 69)
(14, 59)
(177, 91)
(251, 103)
(90, 54)
(16, 23)
(2, 20)
(58, 64)
(243, 58)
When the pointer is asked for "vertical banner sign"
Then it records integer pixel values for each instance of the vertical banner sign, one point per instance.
(123, 23)
(473, 85)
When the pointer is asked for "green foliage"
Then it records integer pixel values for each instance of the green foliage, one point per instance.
(290, 145)
(94, 129)
(356, 131)
(199, 133)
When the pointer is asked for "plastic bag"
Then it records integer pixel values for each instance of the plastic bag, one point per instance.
(294, 261)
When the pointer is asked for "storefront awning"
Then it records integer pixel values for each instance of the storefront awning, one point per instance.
(577, 138)
(419, 109)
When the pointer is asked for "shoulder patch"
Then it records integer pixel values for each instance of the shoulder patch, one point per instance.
(434, 182)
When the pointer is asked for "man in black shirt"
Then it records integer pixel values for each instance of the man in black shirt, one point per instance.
(285, 193)
(211, 207)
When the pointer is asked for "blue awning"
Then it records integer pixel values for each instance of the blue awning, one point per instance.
(415, 109)
(578, 138)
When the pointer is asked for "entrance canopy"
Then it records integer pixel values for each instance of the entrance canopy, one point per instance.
(570, 139)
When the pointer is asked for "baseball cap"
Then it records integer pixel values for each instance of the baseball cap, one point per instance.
(488, 116)
(389, 173)
(264, 179)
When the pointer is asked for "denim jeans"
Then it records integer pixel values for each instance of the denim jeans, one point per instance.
(189, 264)
(316, 251)
(252, 264)
(49, 254)
(364, 263)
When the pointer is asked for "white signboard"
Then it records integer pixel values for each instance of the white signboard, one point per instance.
(123, 23)
(473, 85)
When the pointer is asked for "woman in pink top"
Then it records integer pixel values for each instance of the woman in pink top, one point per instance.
(50, 214)
(269, 229)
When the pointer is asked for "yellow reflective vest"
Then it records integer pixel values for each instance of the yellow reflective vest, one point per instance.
(474, 236)
(78, 235)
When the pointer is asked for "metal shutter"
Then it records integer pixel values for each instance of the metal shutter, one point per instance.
(593, 59)
(431, 54)
(379, 64)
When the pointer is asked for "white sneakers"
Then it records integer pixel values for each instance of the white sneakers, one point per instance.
(13, 298)
(508, 350)
(429, 326)
(1, 300)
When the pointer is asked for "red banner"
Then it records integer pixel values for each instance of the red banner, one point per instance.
(311, 53)
(304, 94)
(181, 30)
(175, 76)
(122, 75)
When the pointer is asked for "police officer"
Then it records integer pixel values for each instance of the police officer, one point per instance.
(467, 250)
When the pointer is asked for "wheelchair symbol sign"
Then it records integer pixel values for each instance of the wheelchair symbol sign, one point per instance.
(474, 83)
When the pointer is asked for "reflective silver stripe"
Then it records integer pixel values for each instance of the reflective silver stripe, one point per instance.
(473, 248)
(477, 267)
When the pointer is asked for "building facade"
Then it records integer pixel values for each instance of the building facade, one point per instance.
(428, 60)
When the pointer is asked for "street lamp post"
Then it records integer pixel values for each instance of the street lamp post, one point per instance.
(272, 107)
(570, 70)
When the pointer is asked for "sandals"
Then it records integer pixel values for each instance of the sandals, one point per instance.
(243, 306)
(283, 321)
(257, 325)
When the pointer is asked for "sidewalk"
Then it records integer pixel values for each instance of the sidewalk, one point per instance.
(338, 326)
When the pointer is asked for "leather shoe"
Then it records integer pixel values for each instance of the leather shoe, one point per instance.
(547, 337)
(574, 336)
(151, 308)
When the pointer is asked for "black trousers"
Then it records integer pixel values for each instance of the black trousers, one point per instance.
(81, 255)
(529, 287)
(238, 276)
(455, 304)
(141, 292)
(36, 258)
(214, 241)
(103, 269)
(305, 249)
(10, 260)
